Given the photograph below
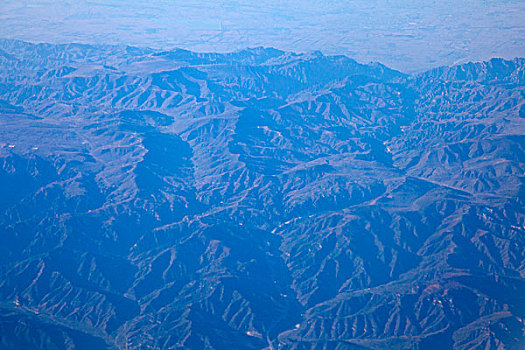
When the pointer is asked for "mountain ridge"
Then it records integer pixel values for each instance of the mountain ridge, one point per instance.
(258, 199)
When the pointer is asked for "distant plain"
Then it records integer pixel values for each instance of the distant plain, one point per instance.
(407, 35)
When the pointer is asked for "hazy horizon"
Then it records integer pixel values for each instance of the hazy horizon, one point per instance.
(406, 35)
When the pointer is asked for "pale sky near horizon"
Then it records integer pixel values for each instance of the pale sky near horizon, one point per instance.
(407, 35)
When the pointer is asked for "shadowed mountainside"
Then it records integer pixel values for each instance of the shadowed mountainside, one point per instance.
(260, 199)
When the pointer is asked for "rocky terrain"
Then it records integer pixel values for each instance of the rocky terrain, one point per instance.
(258, 200)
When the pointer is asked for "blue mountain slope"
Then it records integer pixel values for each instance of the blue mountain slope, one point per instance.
(262, 199)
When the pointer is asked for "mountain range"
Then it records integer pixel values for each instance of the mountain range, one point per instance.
(260, 199)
